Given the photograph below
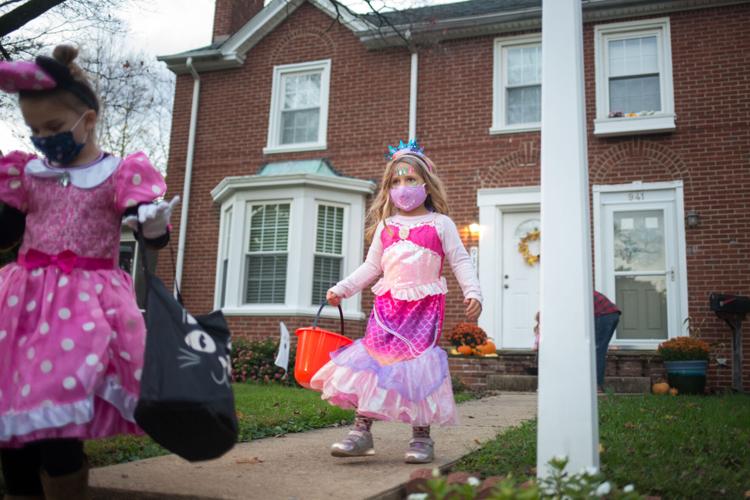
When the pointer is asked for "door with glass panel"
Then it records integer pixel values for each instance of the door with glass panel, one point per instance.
(640, 264)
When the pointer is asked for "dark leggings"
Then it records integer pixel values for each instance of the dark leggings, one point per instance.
(21, 466)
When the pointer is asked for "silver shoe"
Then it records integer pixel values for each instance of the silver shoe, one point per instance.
(421, 451)
(355, 444)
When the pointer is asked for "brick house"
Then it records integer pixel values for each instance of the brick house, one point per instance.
(280, 126)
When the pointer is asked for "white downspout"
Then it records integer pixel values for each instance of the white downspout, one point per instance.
(188, 172)
(413, 96)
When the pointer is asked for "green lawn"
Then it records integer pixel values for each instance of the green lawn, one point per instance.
(685, 447)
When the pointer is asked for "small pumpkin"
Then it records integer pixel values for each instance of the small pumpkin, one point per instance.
(660, 388)
(673, 391)
(466, 350)
(454, 352)
(487, 348)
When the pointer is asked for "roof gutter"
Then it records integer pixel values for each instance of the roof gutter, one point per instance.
(188, 172)
(529, 18)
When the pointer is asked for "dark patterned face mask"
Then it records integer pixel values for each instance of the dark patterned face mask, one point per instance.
(60, 148)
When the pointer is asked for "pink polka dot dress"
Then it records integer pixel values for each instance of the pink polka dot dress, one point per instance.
(71, 333)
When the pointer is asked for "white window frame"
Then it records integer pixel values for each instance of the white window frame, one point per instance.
(246, 211)
(274, 117)
(225, 236)
(304, 192)
(127, 236)
(499, 71)
(664, 120)
(344, 236)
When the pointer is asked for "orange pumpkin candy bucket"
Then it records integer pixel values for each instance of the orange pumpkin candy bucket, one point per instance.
(314, 348)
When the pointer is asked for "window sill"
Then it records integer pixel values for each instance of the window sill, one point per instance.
(606, 127)
(294, 148)
(284, 310)
(516, 129)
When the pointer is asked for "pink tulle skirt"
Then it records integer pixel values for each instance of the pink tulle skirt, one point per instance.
(395, 373)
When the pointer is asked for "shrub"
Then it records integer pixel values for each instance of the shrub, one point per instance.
(558, 485)
(684, 349)
(467, 334)
(252, 361)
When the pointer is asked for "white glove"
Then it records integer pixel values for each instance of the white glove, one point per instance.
(154, 218)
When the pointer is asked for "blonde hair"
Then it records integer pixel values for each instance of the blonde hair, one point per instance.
(382, 208)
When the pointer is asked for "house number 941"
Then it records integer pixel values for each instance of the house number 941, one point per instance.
(636, 196)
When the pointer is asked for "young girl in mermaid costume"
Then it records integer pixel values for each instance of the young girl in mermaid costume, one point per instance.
(397, 372)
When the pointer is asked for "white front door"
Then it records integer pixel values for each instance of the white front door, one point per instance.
(520, 281)
(641, 248)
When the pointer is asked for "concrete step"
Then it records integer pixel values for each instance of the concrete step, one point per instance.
(528, 383)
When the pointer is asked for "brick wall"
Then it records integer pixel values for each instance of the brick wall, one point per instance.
(231, 15)
(369, 102)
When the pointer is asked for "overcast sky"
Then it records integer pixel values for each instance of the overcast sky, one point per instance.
(160, 27)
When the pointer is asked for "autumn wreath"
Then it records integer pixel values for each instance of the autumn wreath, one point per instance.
(523, 247)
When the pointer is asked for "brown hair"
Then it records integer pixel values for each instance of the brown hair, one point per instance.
(382, 208)
(77, 94)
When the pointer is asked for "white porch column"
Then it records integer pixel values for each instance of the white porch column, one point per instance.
(568, 424)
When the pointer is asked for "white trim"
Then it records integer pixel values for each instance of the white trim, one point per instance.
(283, 310)
(492, 204)
(514, 130)
(294, 149)
(499, 111)
(184, 209)
(230, 185)
(659, 192)
(219, 286)
(274, 134)
(304, 197)
(413, 91)
(662, 121)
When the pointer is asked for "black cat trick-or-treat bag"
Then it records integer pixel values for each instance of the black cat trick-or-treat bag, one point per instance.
(186, 402)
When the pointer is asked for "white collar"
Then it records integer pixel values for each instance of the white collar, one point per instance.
(85, 177)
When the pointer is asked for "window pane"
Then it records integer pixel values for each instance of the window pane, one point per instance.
(639, 241)
(269, 228)
(326, 273)
(643, 301)
(265, 279)
(330, 230)
(634, 94)
(224, 268)
(633, 56)
(299, 126)
(301, 91)
(227, 240)
(127, 256)
(524, 105)
(524, 65)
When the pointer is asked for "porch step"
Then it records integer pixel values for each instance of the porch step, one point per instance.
(528, 383)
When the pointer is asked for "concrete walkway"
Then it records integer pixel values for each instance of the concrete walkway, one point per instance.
(299, 466)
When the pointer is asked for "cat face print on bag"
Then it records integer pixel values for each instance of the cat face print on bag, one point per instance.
(203, 349)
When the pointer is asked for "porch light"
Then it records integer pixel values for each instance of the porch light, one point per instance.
(693, 219)
(474, 229)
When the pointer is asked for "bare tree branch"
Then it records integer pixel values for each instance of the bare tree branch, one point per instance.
(23, 14)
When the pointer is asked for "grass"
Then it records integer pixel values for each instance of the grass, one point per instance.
(686, 447)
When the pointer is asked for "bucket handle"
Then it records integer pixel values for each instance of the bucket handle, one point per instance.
(317, 316)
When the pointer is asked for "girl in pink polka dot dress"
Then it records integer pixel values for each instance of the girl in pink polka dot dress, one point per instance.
(398, 372)
(71, 334)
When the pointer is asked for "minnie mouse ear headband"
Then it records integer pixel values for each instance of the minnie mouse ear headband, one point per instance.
(43, 75)
(410, 148)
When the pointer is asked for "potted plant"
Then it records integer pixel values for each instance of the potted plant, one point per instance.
(685, 360)
(466, 338)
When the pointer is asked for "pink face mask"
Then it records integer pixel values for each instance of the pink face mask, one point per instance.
(407, 198)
